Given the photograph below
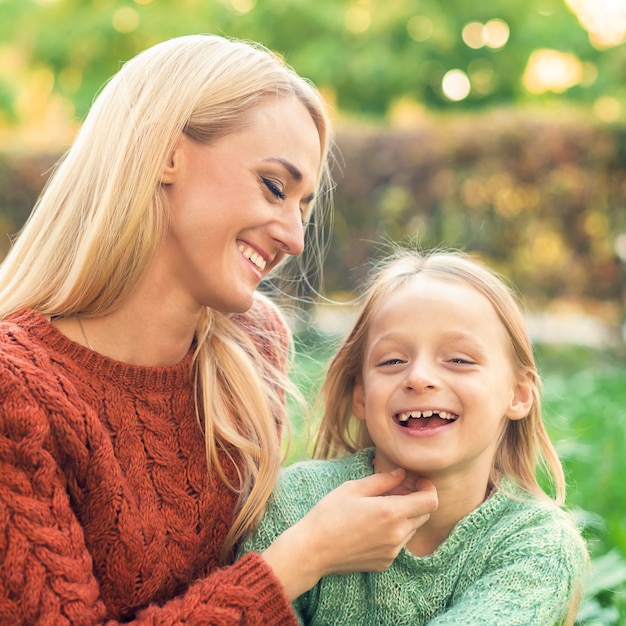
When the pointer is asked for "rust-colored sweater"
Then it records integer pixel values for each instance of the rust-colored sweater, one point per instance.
(107, 512)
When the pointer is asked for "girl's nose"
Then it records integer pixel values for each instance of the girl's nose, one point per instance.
(421, 376)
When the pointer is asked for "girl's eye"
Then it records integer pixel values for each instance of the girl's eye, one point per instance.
(461, 361)
(390, 362)
(274, 188)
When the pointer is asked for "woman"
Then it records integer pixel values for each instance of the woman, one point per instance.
(143, 379)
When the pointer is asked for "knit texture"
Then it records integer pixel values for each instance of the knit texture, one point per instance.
(107, 511)
(515, 560)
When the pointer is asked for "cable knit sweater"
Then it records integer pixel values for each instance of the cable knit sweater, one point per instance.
(107, 511)
(512, 561)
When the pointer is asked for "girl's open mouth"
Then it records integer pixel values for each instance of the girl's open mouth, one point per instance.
(424, 419)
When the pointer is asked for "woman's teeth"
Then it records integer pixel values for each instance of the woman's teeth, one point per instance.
(254, 257)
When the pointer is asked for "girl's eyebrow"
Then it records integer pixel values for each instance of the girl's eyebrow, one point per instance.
(394, 337)
(294, 172)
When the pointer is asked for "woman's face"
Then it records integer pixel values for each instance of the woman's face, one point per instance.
(237, 205)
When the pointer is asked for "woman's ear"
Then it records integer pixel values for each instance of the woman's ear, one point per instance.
(168, 175)
(521, 397)
(358, 401)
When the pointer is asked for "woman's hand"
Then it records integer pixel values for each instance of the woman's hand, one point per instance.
(356, 527)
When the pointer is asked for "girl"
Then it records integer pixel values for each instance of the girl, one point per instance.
(143, 379)
(437, 377)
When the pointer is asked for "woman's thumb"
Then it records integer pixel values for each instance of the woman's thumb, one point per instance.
(380, 484)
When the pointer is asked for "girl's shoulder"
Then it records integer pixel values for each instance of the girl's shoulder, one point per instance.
(519, 519)
(317, 477)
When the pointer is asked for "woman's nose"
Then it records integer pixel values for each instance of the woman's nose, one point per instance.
(288, 231)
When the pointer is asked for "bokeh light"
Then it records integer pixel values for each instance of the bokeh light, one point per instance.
(494, 34)
(604, 20)
(552, 70)
(607, 109)
(456, 85)
(420, 28)
(126, 20)
(358, 19)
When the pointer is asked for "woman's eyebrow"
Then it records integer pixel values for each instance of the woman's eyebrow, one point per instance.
(294, 172)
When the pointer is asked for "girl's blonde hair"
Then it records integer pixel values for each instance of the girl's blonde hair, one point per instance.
(103, 213)
(524, 446)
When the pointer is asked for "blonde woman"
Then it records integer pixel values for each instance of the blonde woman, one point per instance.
(143, 379)
(437, 377)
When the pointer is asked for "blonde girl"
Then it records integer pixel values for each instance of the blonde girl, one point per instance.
(437, 377)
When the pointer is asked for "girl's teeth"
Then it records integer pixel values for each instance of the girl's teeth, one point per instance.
(444, 415)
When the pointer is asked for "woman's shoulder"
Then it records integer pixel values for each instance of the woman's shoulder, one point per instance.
(20, 345)
(26, 380)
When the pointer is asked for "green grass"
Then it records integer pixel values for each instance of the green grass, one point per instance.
(585, 412)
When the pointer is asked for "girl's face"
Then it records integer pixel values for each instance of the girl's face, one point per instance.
(437, 383)
(237, 206)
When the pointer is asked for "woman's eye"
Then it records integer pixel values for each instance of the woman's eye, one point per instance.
(274, 188)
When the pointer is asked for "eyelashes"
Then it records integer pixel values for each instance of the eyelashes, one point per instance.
(274, 188)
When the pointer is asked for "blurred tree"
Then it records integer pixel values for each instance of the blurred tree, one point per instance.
(368, 55)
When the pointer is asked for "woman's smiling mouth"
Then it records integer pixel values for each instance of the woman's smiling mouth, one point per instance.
(254, 257)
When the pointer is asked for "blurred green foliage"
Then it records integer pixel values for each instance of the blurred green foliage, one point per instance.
(368, 54)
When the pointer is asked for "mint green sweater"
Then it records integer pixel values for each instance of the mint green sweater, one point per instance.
(515, 560)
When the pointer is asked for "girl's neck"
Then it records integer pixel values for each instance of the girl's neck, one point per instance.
(457, 498)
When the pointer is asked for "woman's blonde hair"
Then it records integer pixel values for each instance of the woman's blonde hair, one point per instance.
(524, 446)
(103, 213)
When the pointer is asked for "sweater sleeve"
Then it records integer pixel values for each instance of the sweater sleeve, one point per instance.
(276, 520)
(299, 487)
(46, 571)
(531, 581)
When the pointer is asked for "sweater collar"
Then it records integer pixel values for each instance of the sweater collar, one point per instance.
(76, 357)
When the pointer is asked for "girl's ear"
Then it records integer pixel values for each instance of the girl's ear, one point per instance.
(521, 398)
(358, 401)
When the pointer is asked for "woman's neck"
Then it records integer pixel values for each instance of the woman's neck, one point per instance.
(152, 327)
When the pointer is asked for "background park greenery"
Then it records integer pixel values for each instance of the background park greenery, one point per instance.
(495, 126)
